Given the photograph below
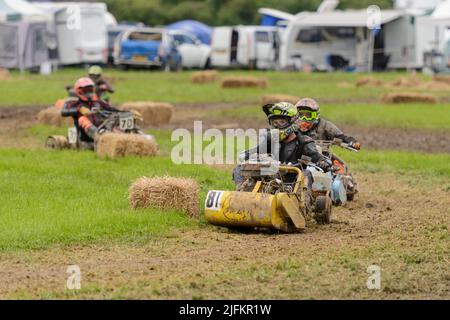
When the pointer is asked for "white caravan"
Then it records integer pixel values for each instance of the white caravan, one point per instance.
(81, 31)
(245, 46)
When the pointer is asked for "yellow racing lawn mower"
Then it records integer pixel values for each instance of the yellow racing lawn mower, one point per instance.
(271, 197)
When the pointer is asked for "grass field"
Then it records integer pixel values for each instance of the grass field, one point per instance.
(63, 208)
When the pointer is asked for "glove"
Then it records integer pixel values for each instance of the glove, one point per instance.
(356, 145)
(324, 165)
(137, 115)
(85, 111)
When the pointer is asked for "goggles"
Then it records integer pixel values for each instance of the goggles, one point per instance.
(307, 115)
(279, 123)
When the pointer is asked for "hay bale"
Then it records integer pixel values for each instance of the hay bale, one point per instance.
(204, 76)
(409, 97)
(52, 116)
(408, 82)
(153, 113)
(115, 145)
(442, 78)
(369, 81)
(165, 193)
(4, 74)
(274, 98)
(244, 82)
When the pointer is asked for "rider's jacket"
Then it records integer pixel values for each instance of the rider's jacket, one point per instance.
(326, 130)
(289, 152)
(82, 123)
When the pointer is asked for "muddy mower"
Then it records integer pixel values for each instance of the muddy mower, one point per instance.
(117, 122)
(343, 185)
(271, 197)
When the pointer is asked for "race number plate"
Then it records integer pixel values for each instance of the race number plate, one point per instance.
(72, 135)
(213, 199)
(126, 123)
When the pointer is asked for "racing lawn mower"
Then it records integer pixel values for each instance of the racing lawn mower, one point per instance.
(271, 197)
(115, 121)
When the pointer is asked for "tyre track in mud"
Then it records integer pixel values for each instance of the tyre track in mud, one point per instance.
(399, 224)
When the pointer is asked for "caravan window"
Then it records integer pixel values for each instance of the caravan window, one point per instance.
(341, 33)
(309, 36)
(262, 36)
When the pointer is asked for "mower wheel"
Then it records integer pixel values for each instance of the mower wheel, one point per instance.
(56, 143)
(322, 210)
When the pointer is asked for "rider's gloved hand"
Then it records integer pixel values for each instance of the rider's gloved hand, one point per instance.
(356, 145)
(85, 111)
(325, 165)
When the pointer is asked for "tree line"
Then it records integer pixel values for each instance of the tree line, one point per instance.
(217, 12)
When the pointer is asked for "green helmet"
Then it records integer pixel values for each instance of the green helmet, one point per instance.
(95, 71)
(282, 116)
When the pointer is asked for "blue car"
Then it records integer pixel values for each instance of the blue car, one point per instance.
(146, 47)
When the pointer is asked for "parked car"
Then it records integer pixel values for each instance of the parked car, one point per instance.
(194, 53)
(113, 32)
(146, 47)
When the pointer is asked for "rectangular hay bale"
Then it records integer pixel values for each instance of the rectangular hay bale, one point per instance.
(409, 97)
(115, 145)
(244, 82)
(153, 113)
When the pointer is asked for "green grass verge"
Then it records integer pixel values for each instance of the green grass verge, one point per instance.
(28, 89)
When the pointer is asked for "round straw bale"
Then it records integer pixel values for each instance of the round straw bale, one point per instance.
(52, 116)
(369, 81)
(4, 74)
(153, 113)
(115, 145)
(204, 76)
(244, 82)
(165, 193)
(274, 98)
(409, 97)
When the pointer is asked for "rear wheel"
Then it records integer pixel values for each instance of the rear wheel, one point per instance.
(322, 210)
(56, 143)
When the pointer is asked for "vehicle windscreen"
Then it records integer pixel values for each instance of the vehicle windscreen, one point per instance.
(145, 36)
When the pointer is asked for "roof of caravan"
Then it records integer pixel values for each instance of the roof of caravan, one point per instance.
(348, 18)
(276, 13)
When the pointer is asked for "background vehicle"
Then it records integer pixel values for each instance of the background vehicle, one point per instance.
(113, 33)
(194, 53)
(245, 46)
(83, 39)
(146, 47)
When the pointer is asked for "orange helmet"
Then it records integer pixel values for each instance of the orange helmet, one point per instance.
(85, 89)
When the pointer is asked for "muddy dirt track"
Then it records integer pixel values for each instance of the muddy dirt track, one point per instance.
(14, 119)
(393, 223)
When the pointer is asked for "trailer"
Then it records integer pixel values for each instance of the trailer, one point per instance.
(81, 31)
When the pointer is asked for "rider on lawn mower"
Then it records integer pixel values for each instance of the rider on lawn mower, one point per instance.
(293, 145)
(102, 87)
(311, 124)
(83, 111)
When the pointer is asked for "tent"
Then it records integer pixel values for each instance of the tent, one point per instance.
(200, 30)
(23, 45)
(19, 10)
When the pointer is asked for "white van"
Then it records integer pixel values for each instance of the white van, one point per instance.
(254, 47)
(81, 31)
(194, 54)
